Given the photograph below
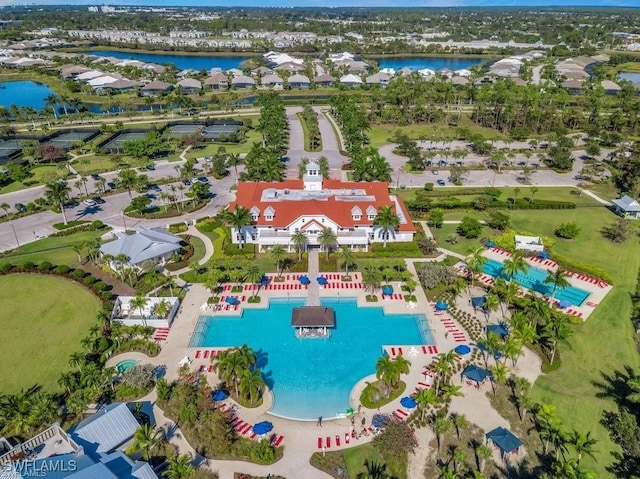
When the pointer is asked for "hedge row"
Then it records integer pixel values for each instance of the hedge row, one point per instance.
(517, 204)
(99, 288)
(579, 267)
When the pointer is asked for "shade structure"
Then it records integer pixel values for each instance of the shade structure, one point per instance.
(463, 349)
(564, 304)
(498, 329)
(543, 256)
(489, 244)
(441, 306)
(379, 420)
(304, 280)
(387, 289)
(231, 300)
(475, 373)
(219, 395)
(262, 427)
(478, 301)
(322, 280)
(264, 280)
(350, 411)
(408, 402)
(504, 439)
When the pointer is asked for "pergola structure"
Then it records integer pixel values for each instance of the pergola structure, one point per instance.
(313, 321)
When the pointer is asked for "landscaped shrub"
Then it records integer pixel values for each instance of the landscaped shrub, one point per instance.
(100, 285)
(97, 224)
(567, 230)
(401, 250)
(5, 268)
(78, 273)
(28, 266)
(62, 269)
(469, 228)
(46, 266)
(106, 295)
(207, 225)
(432, 275)
(178, 228)
(89, 280)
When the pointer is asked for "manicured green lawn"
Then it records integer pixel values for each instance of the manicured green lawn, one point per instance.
(39, 176)
(354, 458)
(199, 249)
(38, 336)
(87, 165)
(57, 250)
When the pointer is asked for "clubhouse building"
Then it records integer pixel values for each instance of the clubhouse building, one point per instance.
(280, 209)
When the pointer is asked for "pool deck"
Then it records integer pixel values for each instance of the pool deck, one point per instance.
(597, 289)
(301, 438)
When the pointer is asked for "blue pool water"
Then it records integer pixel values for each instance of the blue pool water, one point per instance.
(534, 279)
(313, 377)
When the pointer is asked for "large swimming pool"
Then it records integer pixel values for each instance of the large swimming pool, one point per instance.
(313, 377)
(534, 280)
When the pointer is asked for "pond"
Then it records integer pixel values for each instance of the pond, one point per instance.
(633, 77)
(24, 93)
(183, 62)
(433, 63)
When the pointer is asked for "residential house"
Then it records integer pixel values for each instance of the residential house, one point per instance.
(217, 81)
(70, 72)
(380, 79)
(299, 81)
(155, 88)
(349, 209)
(190, 85)
(272, 81)
(324, 80)
(120, 86)
(610, 88)
(153, 245)
(289, 67)
(261, 71)
(351, 80)
(243, 81)
(627, 207)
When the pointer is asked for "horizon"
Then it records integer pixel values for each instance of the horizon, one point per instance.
(335, 3)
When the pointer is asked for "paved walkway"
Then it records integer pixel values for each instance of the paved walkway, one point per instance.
(313, 293)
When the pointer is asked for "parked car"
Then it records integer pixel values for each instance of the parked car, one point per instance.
(20, 207)
(208, 159)
(98, 200)
(111, 185)
(434, 171)
(95, 176)
(186, 182)
(150, 167)
(89, 202)
(441, 182)
(203, 179)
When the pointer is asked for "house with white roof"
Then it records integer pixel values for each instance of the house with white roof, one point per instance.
(190, 85)
(299, 81)
(272, 81)
(351, 80)
(155, 245)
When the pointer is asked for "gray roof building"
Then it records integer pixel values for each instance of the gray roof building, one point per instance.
(145, 245)
(627, 206)
(108, 429)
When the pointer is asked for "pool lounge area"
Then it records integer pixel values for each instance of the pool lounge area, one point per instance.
(313, 376)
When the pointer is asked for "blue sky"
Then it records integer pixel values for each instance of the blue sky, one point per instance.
(338, 3)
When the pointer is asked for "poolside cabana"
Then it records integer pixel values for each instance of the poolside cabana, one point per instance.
(475, 375)
(529, 243)
(498, 329)
(313, 321)
(504, 440)
(151, 314)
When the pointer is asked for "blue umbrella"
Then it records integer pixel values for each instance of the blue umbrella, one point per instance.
(564, 304)
(543, 256)
(408, 402)
(322, 280)
(219, 395)
(262, 427)
(231, 300)
(441, 306)
(489, 244)
(378, 420)
(304, 280)
(387, 290)
(463, 349)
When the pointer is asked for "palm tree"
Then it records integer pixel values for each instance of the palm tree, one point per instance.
(78, 360)
(450, 390)
(484, 452)
(387, 372)
(299, 239)
(57, 192)
(556, 331)
(5, 207)
(426, 398)
(387, 221)
(441, 426)
(492, 303)
(162, 309)
(402, 365)
(460, 421)
(128, 179)
(251, 385)
(553, 434)
(146, 440)
(52, 101)
(558, 279)
(371, 277)
(179, 467)
(514, 265)
(139, 302)
(230, 366)
(254, 275)
(583, 444)
(475, 263)
(458, 457)
(346, 258)
(499, 375)
(278, 254)
(374, 470)
(327, 239)
(238, 219)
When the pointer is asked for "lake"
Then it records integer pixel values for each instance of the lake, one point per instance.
(434, 63)
(630, 76)
(183, 62)
(24, 93)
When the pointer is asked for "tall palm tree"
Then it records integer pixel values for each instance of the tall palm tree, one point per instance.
(459, 421)
(426, 398)
(146, 440)
(139, 302)
(162, 309)
(441, 426)
(238, 219)
(558, 279)
(475, 262)
(57, 192)
(278, 254)
(484, 453)
(346, 258)
(374, 470)
(514, 265)
(254, 275)
(128, 179)
(299, 239)
(327, 239)
(557, 331)
(52, 101)
(251, 385)
(371, 277)
(387, 221)
(230, 366)
(583, 444)
(387, 371)
(179, 467)
(77, 360)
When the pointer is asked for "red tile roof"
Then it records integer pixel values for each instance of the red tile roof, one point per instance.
(250, 194)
